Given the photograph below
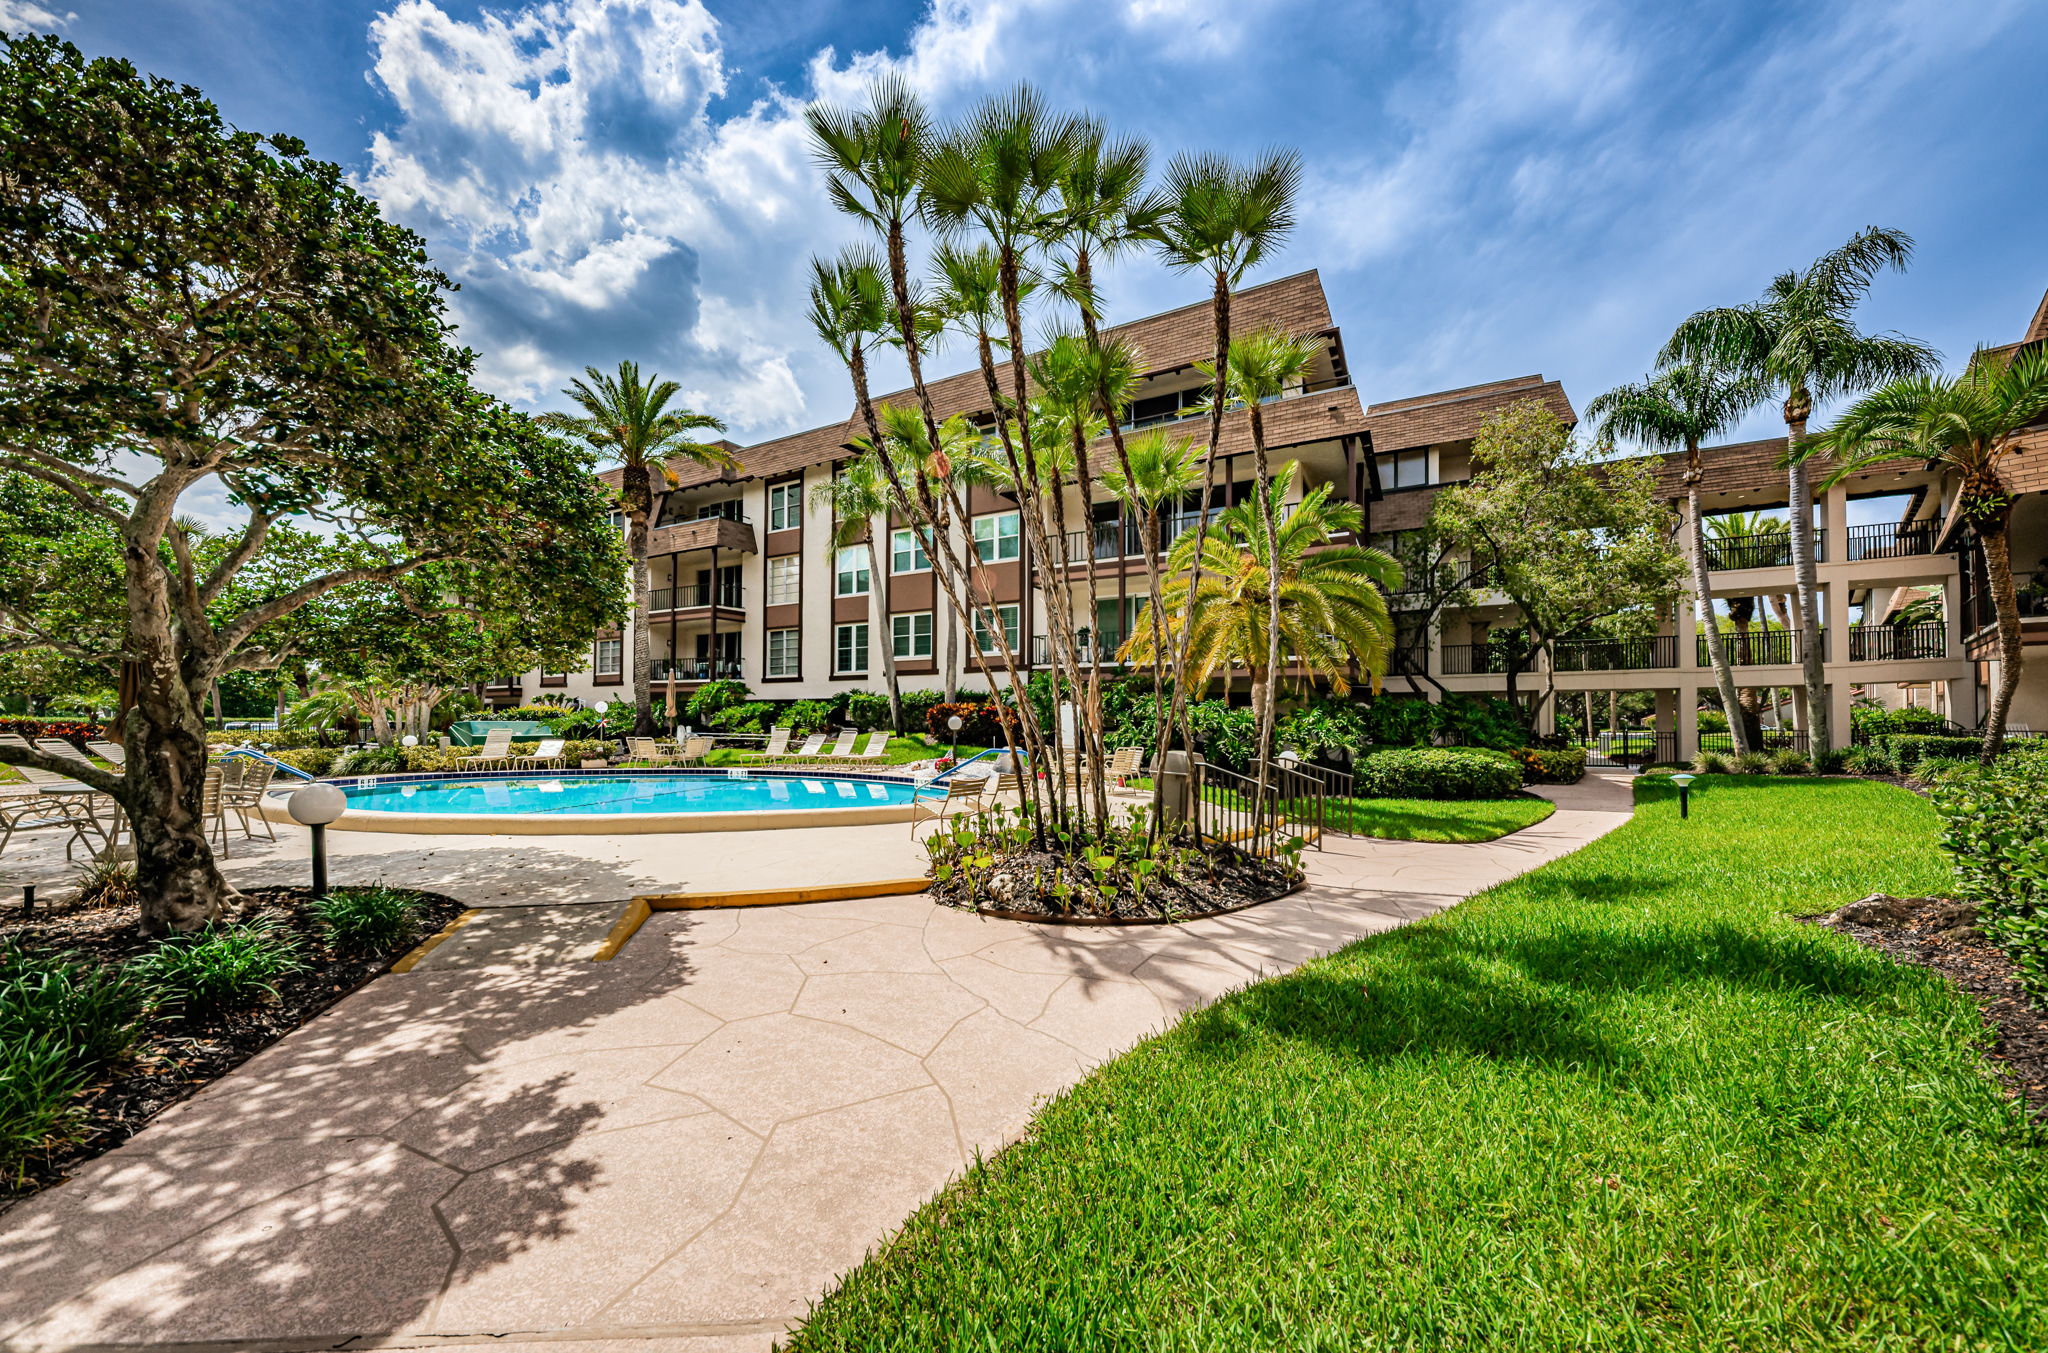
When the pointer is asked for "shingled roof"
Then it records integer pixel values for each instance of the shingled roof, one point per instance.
(1455, 415)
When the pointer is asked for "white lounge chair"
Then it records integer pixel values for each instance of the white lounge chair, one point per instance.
(549, 753)
(868, 755)
(111, 752)
(778, 741)
(497, 749)
(813, 744)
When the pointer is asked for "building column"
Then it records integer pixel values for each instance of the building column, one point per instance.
(1835, 615)
(1667, 716)
(1840, 698)
(1688, 722)
(1834, 609)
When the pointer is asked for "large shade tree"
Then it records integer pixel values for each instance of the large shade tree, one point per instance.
(186, 307)
(1678, 408)
(1800, 340)
(1968, 424)
(628, 419)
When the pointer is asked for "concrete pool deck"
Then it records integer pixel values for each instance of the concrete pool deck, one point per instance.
(672, 1152)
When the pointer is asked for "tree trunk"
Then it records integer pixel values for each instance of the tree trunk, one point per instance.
(952, 659)
(1806, 576)
(1219, 304)
(1703, 594)
(637, 500)
(878, 608)
(164, 788)
(2005, 603)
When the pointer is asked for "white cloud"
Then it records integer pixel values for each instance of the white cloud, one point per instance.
(20, 16)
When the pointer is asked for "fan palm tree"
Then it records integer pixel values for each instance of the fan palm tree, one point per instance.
(1800, 338)
(1333, 604)
(1264, 364)
(857, 497)
(1158, 470)
(1968, 424)
(628, 418)
(1680, 407)
(1222, 219)
(850, 312)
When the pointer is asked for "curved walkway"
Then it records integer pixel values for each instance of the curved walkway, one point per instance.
(677, 1150)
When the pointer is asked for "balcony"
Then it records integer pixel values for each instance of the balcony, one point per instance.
(1476, 660)
(1887, 643)
(1186, 405)
(696, 596)
(704, 533)
(1759, 648)
(724, 669)
(1112, 640)
(1767, 549)
(1651, 653)
(1892, 540)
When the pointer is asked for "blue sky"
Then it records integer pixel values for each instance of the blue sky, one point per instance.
(1494, 188)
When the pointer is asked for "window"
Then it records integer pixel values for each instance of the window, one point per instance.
(995, 537)
(618, 520)
(853, 572)
(786, 505)
(729, 509)
(850, 648)
(911, 635)
(611, 655)
(785, 579)
(1404, 470)
(784, 653)
(906, 552)
(984, 640)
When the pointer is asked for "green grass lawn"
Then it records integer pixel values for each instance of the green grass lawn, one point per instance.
(1439, 819)
(1623, 1102)
(902, 750)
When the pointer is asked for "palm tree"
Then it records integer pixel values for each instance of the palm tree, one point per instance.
(628, 418)
(1223, 219)
(1157, 470)
(1968, 424)
(1682, 406)
(1801, 338)
(1333, 604)
(1265, 364)
(850, 312)
(857, 496)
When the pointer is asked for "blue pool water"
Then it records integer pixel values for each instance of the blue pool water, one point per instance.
(715, 793)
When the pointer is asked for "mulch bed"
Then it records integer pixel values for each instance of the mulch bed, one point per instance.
(1935, 933)
(1235, 881)
(179, 1056)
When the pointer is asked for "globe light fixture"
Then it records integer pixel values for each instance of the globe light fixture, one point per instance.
(409, 740)
(314, 806)
(956, 723)
(1684, 782)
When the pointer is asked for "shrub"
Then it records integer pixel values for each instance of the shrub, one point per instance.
(1323, 729)
(1551, 765)
(1400, 721)
(369, 920)
(38, 1082)
(1931, 768)
(752, 717)
(270, 739)
(542, 713)
(73, 730)
(1712, 721)
(1874, 722)
(373, 760)
(866, 709)
(96, 1011)
(1482, 721)
(575, 723)
(586, 749)
(1436, 773)
(808, 716)
(983, 723)
(1789, 761)
(917, 704)
(1753, 763)
(1907, 749)
(217, 968)
(1995, 833)
(1710, 763)
(1869, 759)
(312, 760)
(709, 699)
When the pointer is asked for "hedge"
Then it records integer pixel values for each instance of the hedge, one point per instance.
(1551, 765)
(1995, 833)
(1438, 773)
(983, 723)
(1908, 750)
(74, 731)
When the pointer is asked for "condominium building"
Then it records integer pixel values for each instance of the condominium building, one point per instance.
(745, 583)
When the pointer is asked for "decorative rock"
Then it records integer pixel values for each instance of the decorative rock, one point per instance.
(1878, 909)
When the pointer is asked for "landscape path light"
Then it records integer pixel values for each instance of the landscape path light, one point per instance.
(1684, 782)
(956, 723)
(315, 806)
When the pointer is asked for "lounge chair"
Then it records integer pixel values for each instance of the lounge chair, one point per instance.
(923, 808)
(61, 750)
(111, 752)
(497, 749)
(549, 753)
(812, 746)
(39, 812)
(869, 755)
(841, 746)
(648, 750)
(778, 741)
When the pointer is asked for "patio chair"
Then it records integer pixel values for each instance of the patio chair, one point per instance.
(957, 791)
(694, 750)
(1125, 763)
(841, 745)
(213, 808)
(37, 812)
(497, 749)
(244, 796)
(648, 750)
(549, 753)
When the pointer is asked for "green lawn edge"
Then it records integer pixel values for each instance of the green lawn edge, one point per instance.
(1624, 1101)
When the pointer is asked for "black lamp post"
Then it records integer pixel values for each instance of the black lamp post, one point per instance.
(1684, 783)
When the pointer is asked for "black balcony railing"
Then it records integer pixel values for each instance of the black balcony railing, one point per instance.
(1409, 659)
(1886, 643)
(1106, 540)
(724, 669)
(1759, 648)
(1893, 540)
(695, 594)
(1618, 655)
(1112, 640)
(1768, 549)
(1474, 659)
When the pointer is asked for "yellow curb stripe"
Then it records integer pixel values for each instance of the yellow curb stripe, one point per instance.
(637, 911)
(407, 963)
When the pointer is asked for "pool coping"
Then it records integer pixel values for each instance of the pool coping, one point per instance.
(272, 806)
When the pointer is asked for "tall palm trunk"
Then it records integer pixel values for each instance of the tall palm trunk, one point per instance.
(1219, 306)
(1806, 576)
(1269, 702)
(2006, 603)
(878, 607)
(636, 499)
(1703, 596)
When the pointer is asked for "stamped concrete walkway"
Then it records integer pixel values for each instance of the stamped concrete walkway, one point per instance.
(677, 1150)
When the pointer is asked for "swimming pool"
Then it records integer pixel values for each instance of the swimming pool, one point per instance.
(668, 801)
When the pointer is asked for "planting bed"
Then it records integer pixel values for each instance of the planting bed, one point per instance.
(180, 1053)
(1024, 886)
